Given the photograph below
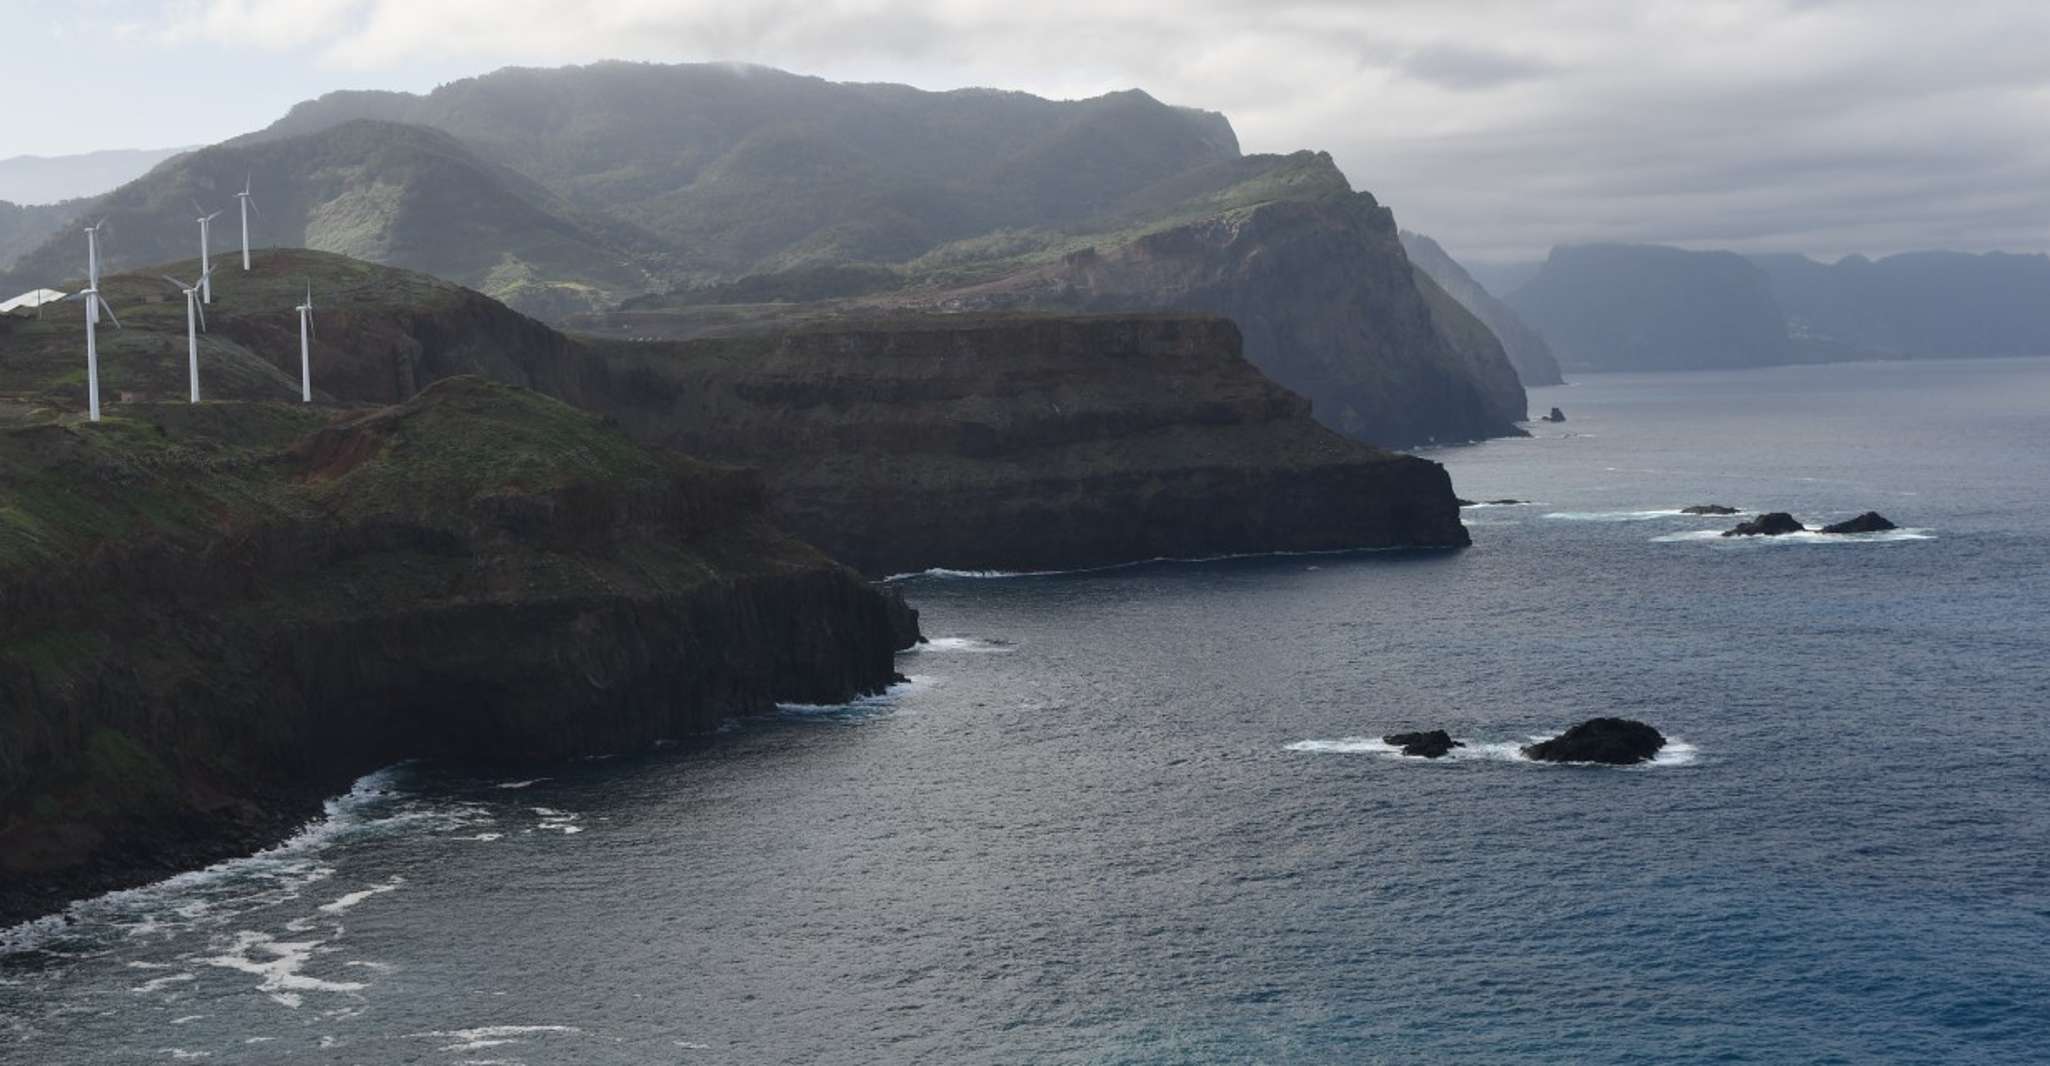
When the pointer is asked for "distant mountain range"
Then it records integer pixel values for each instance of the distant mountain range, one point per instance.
(1646, 307)
(40, 179)
(1525, 347)
(762, 198)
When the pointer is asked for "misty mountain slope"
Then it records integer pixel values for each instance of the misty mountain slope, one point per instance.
(1312, 272)
(747, 169)
(23, 228)
(1917, 303)
(1526, 349)
(37, 179)
(1645, 307)
(396, 194)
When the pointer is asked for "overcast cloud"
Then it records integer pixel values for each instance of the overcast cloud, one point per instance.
(1502, 128)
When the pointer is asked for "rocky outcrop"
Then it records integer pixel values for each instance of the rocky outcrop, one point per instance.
(1869, 522)
(1027, 443)
(1428, 745)
(1616, 741)
(1709, 509)
(1527, 350)
(230, 610)
(1556, 415)
(1771, 524)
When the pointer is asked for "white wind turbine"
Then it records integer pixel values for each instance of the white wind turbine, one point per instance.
(206, 267)
(306, 346)
(195, 320)
(247, 203)
(94, 304)
(92, 266)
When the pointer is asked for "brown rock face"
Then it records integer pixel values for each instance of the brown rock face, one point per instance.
(1328, 305)
(1023, 443)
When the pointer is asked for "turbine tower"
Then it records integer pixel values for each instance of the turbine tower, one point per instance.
(206, 266)
(195, 320)
(94, 304)
(247, 203)
(306, 347)
(92, 266)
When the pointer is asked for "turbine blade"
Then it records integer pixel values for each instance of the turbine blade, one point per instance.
(246, 176)
(181, 286)
(104, 306)
(201, 306)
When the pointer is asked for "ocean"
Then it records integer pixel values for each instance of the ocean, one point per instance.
(1140, 815)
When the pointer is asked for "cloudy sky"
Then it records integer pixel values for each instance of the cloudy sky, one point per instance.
(1500, 126)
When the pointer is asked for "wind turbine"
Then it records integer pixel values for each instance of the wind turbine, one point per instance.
(247, 203)
(206, 268)
(305, 346)
(195, 320)
(92, 265)
(94, 304)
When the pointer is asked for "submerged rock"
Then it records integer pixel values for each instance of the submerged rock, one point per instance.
(1507, 502)
(1773, 524)
(1869, 522)
(1429, 745)
(1709, 508)
(1556, 415)
(1617, 741)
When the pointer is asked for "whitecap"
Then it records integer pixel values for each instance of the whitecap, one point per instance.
(528, 783)
(158, 984)
(1808, 537)
(1614, 516)
(964, 644)
(859, 709)
(944, 572)
(352, 899)
(278, 965)
(485, 1036)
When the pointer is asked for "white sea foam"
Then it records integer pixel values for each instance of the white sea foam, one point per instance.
(564, 822)
(1810, 537)
(485, 1036)
(1484, 505)
(862, 708)
(215, 895)
(529, 783)
(965, 644)
(278, 964)
(1677, 752)
(352, 899)
(943, 572)
(158, 984)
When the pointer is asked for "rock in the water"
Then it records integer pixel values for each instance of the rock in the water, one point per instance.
(1430, 745)
(1767, 525)
(1617, 741)
(1506, 502)
(1869, 522)
(1556, 416)
(1709, 508)
(1462, 501)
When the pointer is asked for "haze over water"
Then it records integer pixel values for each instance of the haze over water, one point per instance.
(1140, 816)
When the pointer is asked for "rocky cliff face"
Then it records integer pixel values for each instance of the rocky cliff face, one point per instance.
(211, 616)
(1324, 295)
(1026, 442)
(1644, 307)
(1526, 350)
(984, 442)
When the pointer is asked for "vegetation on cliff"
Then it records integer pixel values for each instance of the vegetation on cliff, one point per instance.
(213, 613)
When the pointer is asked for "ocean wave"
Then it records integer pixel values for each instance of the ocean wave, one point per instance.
(1617, 516)
(860, 709)
(484, 1036)
(1813, 536)
(1484, 505)
(376, 804)
(943, 572)
(965, 644)
(1677, 752)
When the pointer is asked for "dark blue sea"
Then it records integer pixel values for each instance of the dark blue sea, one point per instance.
(1140, 816)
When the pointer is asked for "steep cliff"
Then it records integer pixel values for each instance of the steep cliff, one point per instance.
(1526, 349)
(1915, 304)
(894, 443)
(1027, 442)
(212, 615)
(1645, 307)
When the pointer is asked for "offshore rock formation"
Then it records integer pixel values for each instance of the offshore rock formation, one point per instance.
(1709, 509)
(1616, 741)
(1526, 349)
(1770, 524)
(212, 616)
(1869, 522)
(1428, 745)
